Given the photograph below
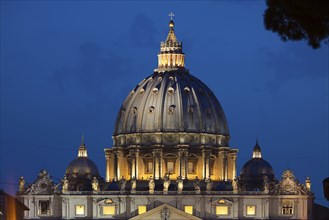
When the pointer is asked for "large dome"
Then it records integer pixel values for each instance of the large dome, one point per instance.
(170, 102)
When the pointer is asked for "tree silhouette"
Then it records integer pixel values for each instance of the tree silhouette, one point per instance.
(299, 20)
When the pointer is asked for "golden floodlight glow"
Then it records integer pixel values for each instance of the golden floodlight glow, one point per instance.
(251, 210)
(188, 209)
(141, 209)
(109, 210)
(221, 210)
(221, 201)
(79, 209)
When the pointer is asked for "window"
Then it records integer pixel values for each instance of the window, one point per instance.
(141, 209)
(109, 210)
(170, 167)
(149, 166)
(287, 209)
(188, 209)
(211, 166)
(221, 210)
(44, 207)
(79, 209)
(251, 210)
(191, 167)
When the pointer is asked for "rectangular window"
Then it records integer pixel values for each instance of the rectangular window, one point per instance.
(251, 210)
(141, 209)
(191, 167)
(79, 209)
(221, 210)
(287, 207)
(149, 166)
(109, 210)
(170, 167)
(188, 209)
(44, 207)
(287, 210)
(211, 166)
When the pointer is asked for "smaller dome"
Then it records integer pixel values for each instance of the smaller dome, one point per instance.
(257, 167)
(257, 174)
(82, 167)
(81, 171)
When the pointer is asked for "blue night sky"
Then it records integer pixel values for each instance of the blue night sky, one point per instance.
(66, 67)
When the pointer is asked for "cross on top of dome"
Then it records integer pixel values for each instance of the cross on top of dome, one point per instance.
(171, 15)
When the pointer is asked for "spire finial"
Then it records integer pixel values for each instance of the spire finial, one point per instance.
(83, 139)
(171, 15)
(171, 22)
(82, 152)
(257, 152)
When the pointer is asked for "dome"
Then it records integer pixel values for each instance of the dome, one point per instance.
(171, 100)
(257, 167)
(82, 167)
(257, 173)
(81, 172)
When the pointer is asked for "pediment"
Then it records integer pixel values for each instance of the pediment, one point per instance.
(165, 212)
(221, 201)
(289, 185)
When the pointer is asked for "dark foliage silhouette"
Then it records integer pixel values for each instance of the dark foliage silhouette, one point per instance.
(299, 20)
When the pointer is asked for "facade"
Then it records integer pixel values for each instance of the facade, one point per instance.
(170, 159)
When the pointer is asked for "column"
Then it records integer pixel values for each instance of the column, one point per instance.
(137, 159)
(118, 156)
(233, 165)
(220, 164)
(157, 163)
(183, 160)
(109, 164)
(206, 163)
(225, 165)
(134, 163)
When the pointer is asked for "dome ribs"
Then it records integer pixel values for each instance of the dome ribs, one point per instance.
(171, 101)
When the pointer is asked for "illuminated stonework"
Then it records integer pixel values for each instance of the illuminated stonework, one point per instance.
(171, 53)
(170, 159)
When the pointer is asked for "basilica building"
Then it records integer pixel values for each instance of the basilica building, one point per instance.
(170, 159)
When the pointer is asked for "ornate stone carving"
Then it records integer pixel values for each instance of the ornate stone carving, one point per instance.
(95, 184)
(235, 186)
(196, 185)
(65, 183)
(21, 184)
(289, 185)
(151, 185)
(133, 185)
(123, 185)
(166, 183)
(165, 213)
(180, 185)
(208, 185)
(308, 184)
(43, 185)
